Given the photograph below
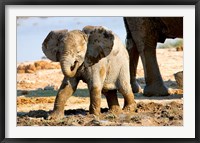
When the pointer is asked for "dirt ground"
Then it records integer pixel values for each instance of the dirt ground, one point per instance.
(38, 82)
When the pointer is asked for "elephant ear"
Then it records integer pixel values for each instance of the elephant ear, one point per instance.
(100, 44)
(52, 45)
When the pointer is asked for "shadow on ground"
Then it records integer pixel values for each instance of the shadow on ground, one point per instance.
(44, 114)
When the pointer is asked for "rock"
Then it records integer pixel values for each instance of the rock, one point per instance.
(180, 48)
(179, 79)
(30, 68)
(46, 65)
(21, 69)
(38, 65)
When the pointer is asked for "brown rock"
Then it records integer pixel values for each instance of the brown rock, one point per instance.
(21, 69)
(46, 65)
(30, 68)
(40, 64)
(180, 48)
(179, 79)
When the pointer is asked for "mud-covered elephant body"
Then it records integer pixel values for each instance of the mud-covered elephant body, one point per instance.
(96, 56)
(143, 33)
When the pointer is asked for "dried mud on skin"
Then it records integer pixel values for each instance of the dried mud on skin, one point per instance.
(147, 114)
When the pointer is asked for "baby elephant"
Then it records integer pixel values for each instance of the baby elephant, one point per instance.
(98, 57)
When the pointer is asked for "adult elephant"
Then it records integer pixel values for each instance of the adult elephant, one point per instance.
(143, 33)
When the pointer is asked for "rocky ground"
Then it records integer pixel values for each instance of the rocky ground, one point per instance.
(38, 82)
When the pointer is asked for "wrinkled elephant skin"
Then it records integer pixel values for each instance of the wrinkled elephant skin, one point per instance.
(143, 33)
(91, 55)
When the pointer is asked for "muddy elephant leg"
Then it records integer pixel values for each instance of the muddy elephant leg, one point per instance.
(124, 87)
(154, 83)
(95, 100)
(112, 100)
(67, 88)
(134, 56)
(129, 102)
(126, 91)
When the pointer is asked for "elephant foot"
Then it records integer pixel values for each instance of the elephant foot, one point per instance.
(156, 90)
(115, 109)
(56, 115)
(135, 87)
(94, 111)
(130, 107)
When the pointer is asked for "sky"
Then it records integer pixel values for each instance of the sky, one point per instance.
(31, 31)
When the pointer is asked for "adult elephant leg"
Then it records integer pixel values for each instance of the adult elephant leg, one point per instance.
(134, 56)
(154, 83)
(67, 88)
(113, 104)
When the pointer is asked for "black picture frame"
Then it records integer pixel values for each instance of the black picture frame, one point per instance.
(3, 4)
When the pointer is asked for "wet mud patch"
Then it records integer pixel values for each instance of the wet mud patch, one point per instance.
(147, 114)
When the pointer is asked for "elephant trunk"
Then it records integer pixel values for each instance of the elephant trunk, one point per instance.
(69, 69)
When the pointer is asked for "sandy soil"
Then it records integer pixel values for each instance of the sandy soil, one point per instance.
(37, 88)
